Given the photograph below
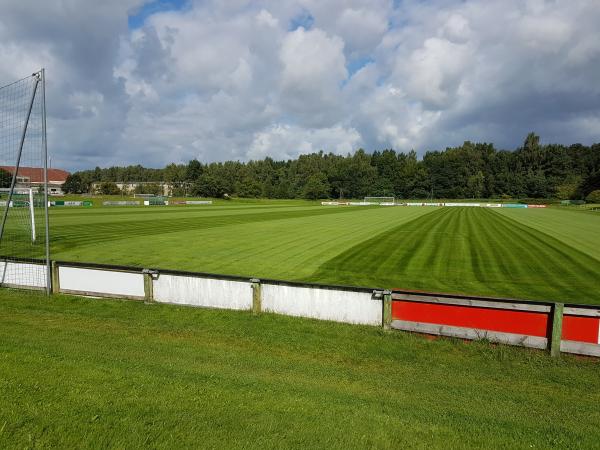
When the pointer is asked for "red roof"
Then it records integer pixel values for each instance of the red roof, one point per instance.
(36, 174)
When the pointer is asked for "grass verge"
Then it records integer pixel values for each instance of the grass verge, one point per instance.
(92, 373)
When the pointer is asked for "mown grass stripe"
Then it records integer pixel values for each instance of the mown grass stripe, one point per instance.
(287, 247)
(576, 228)
(68, 235)
(469, 250)
(466, 250)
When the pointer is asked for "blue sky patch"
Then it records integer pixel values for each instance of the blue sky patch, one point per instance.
(304, 20)
(355, 65)
(139, 16)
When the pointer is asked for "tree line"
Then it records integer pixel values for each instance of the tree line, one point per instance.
(472, 170)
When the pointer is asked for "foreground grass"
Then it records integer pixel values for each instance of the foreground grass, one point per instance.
(97, 373)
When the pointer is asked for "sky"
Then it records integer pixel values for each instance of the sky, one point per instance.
(155, 82)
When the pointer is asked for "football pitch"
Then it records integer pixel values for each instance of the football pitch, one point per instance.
(539, 254)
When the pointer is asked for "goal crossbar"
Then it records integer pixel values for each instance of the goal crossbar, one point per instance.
(380, 200)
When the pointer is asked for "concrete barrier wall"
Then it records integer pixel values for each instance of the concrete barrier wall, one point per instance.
(581, 331)
(525, 325)
(320, 303)
(450, 204)
(570, 328)
(197, 291)
(19, 274)
(509, 322)
(100, 282)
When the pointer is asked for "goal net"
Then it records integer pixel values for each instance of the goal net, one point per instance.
(24, 246)
(385, 201)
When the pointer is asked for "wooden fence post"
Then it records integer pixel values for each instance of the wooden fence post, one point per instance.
(256, 296)
(54, 278)
(148, 275)
(556, 332)
(387, 309)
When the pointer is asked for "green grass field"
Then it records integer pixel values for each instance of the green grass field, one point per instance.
(88, 373)
(540, 254)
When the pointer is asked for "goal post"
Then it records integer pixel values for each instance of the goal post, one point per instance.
(385, 201)
(24, 226)
(20, 198)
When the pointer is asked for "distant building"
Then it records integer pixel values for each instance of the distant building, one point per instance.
(32, 177)
(129, 187)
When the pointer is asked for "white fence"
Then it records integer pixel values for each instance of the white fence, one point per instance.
(322, 303)
(198, 291)
(450, 204)
(101, 283)
(340, 304)
(527, 322)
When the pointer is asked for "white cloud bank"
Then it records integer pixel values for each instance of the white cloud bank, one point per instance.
(241, 80)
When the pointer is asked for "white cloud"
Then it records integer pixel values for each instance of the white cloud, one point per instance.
(361, 29)
(264, 17)
(457, 29)
(544, 33)
(433, 73)
(285, 141)
(246, 79)
(313, 67)
(361, 24)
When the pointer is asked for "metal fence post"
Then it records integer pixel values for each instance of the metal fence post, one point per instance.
(256, 296)
(387, 309)
(556, 332)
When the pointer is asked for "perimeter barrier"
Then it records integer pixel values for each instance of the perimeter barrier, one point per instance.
(445, 204)
(552, 326)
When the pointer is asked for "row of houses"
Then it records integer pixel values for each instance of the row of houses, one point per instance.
(130, 187)
(33, 177)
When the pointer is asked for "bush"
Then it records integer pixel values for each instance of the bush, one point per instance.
(109, 188)
(5, 178)
(593, 197)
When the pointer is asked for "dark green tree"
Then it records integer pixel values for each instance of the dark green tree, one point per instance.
(593, 197)
(193, 171)
(209, 185)
(109, 188)
(74, 184)
(316, 187)
(5, 178)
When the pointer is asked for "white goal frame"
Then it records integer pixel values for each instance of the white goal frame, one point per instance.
(381, 200)
(29, 193)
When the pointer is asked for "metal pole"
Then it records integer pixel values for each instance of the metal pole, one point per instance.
(32, 214)
(46, 215)
(18, 162)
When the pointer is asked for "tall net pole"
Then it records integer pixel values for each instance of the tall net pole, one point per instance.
(24, 225)
(18, 162)
(46, 203)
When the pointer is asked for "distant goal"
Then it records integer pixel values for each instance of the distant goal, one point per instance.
(383, 201)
